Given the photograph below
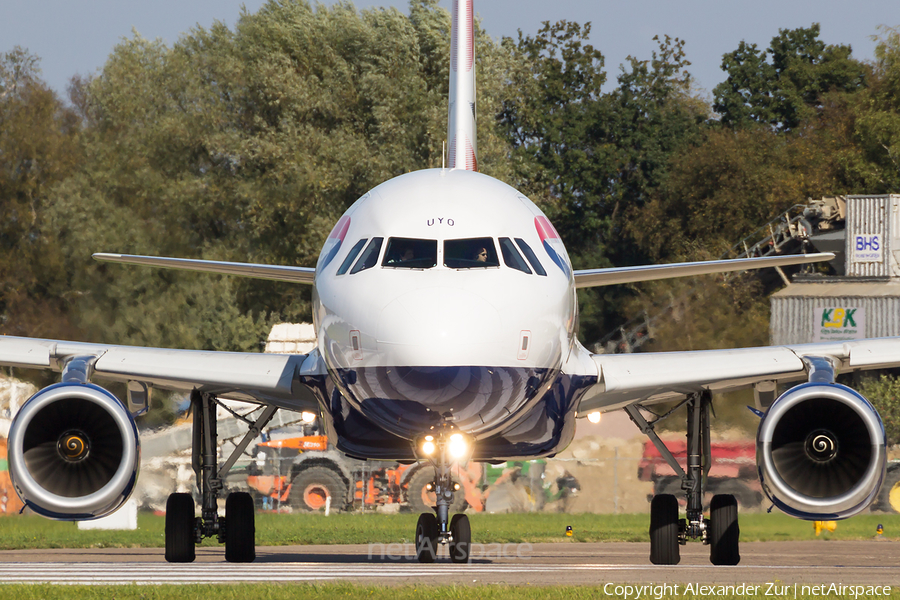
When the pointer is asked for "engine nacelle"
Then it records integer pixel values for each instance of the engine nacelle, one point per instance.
(821, 452)
(74, 452)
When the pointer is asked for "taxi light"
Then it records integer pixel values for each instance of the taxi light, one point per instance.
(594, 417)
(457, 446)
(307, 417)
(456, 487)
(428, 447)
(429, 487)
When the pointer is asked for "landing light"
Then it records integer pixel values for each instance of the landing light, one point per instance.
(428, 447)
(457, 446)
(594, 417)
(307, 417)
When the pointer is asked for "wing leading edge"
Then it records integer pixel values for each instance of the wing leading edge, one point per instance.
(254, 377)
(653, 377)
(616, 275)
(274, 272)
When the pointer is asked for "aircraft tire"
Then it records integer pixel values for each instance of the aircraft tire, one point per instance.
(664, 548)
(240, 528)
(311, 488)
(461, 545)
(724, 533)
(180, 529)
(426, 538)
(420, 500)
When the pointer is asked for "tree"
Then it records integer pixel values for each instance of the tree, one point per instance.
(787, 90)
(39, 147)
(883, 392)
(592, 159)
(877, 119)
(247, 144)
(730, 183)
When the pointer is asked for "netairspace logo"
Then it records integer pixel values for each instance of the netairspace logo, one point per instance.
(407, 553)
(773, 589)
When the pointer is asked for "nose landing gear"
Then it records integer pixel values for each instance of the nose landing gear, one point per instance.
(437, 529)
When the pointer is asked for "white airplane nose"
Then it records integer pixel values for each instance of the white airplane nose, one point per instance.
(439, 326)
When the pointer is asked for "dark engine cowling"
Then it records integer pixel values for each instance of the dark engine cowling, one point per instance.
(821, 452)
(74, 452)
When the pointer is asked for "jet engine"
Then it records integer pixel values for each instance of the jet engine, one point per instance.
(74, 452)
(821, 452)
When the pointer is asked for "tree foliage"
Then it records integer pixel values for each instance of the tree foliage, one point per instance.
(883, 391)
(39, 148)
(784, 84)
(593, 159)
(247, 143)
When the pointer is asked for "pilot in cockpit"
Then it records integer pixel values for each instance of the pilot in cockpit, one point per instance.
(405, 255)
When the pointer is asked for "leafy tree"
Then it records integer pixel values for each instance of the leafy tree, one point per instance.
(783, 85)
(39, 146)
(877, 119)
(247, 144)
(730, 183)
(883, 392)
(592, 159)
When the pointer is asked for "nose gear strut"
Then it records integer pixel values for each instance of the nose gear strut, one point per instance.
(438, 528)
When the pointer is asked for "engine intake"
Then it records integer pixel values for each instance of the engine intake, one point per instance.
(821, 452)
(74, 452)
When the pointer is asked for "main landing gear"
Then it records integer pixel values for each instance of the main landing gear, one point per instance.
(667, 532)
(433, 529)
(237, 529)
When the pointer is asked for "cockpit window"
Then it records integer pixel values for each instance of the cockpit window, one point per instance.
(472, 253)
(409, 253)
(511, 256)
(369, 256)
(532, 257)
(354, 252)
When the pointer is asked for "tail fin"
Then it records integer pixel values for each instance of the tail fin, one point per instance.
(463, 148)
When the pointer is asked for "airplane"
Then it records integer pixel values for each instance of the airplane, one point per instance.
(445, 309)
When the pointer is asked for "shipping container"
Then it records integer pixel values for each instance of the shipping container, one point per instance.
(816, 312)
(873, 236)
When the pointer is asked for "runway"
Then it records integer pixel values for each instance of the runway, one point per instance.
(810, 563)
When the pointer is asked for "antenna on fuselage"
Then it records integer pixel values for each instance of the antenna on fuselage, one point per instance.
(463, 150)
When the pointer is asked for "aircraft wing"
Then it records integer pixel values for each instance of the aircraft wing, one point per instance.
(257, 271)
(653, 377)
(616, 275)
(254, 377)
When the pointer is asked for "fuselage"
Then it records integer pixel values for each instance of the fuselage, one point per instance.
(444, 295)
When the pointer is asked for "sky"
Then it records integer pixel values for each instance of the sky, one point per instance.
(76, 36)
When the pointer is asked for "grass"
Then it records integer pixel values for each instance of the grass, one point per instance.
(20, 532)
(344, 591)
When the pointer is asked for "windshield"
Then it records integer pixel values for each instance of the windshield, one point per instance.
(472, 253)
(369, 257)
(410, 253)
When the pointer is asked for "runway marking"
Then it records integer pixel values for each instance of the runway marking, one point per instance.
(165, 573)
